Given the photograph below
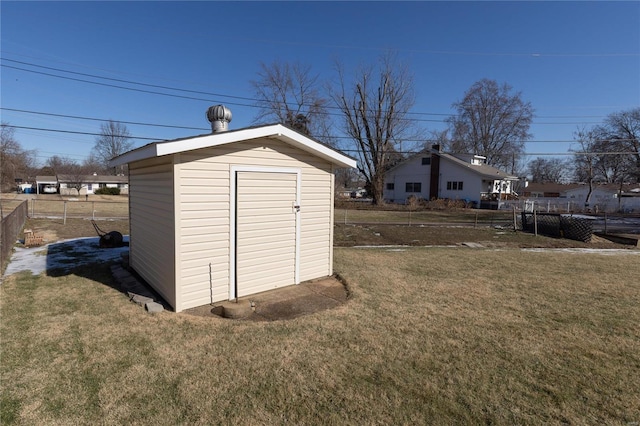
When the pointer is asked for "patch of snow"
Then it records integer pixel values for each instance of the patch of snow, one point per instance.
(606, 252)
(63, 255)
(395, 246)
(579, 216)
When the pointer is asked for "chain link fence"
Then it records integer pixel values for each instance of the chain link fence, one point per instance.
(79, 208)
(11, 226)
(557, 225)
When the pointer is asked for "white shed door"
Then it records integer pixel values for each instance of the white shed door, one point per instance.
(265, 231)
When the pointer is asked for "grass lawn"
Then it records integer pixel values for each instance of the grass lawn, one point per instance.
(429, 336)
(52, 205)
(405, 216)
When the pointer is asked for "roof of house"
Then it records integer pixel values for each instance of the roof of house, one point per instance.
(563, 188)
(275, 131)
(46, 179)
(550, 187)
(93, 178)
(483, 170)
(608, 187)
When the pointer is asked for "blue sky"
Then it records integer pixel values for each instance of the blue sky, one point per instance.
(576, 62)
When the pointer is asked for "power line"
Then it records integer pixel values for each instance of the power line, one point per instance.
(530, 154)
(255, 100)
(102, 119)
(425, 141)
(76, 132)
(118, 87)
(175, 95)
(524, 154)
(128, 81)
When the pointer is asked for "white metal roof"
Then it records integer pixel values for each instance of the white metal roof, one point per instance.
(275, 131)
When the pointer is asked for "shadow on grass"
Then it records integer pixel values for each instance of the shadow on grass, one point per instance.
(65, 256)
(85, 258)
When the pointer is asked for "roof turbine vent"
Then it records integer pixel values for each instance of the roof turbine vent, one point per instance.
(219, 116)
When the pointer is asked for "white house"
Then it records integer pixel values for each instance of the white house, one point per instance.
(232, 213)
(66, 184)
(90, 183)
(46, 184)
(606, 197)
(435, 174)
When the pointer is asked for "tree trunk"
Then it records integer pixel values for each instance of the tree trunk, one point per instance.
(377, 190)
(587, 200)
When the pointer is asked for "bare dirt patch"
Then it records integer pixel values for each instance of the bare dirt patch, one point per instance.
(448, 235)
(56, 229)
(281, 304)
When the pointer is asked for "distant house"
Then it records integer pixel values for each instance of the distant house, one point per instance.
(573, 197)
(90, 183)
(46, 185)
(435, 174)
(547, 190)
(606, 197)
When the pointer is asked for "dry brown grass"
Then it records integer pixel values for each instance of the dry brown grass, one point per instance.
(447, 336)
(55, 205)
(446, 235)
(406, 216)
(55, 229)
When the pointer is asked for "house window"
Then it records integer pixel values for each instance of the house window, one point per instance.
(413, 187)
(390, 186)
(426, 161)
(454, 186)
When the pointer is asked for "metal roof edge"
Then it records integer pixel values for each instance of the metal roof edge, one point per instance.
(161, 148)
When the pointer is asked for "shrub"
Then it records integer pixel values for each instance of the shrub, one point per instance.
(107, 191)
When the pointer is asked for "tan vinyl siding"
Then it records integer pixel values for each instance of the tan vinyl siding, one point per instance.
(152, 224)
(205, 214)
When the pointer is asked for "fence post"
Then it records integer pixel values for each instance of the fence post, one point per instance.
(515, 220)
(535, 223)
(64, 216)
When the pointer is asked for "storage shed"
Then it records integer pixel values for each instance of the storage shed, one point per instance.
(232, 213)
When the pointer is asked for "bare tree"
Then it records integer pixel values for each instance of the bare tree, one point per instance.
(620, 134)
(612, 163)
(60, 165)
(93, 165)
(346, 178)
(553, 170)
(493, 122)
(585, 161)
(15, 162)
(289, 94)
(77, 177)
(375, 107)
(114, 140)
(437, 137)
